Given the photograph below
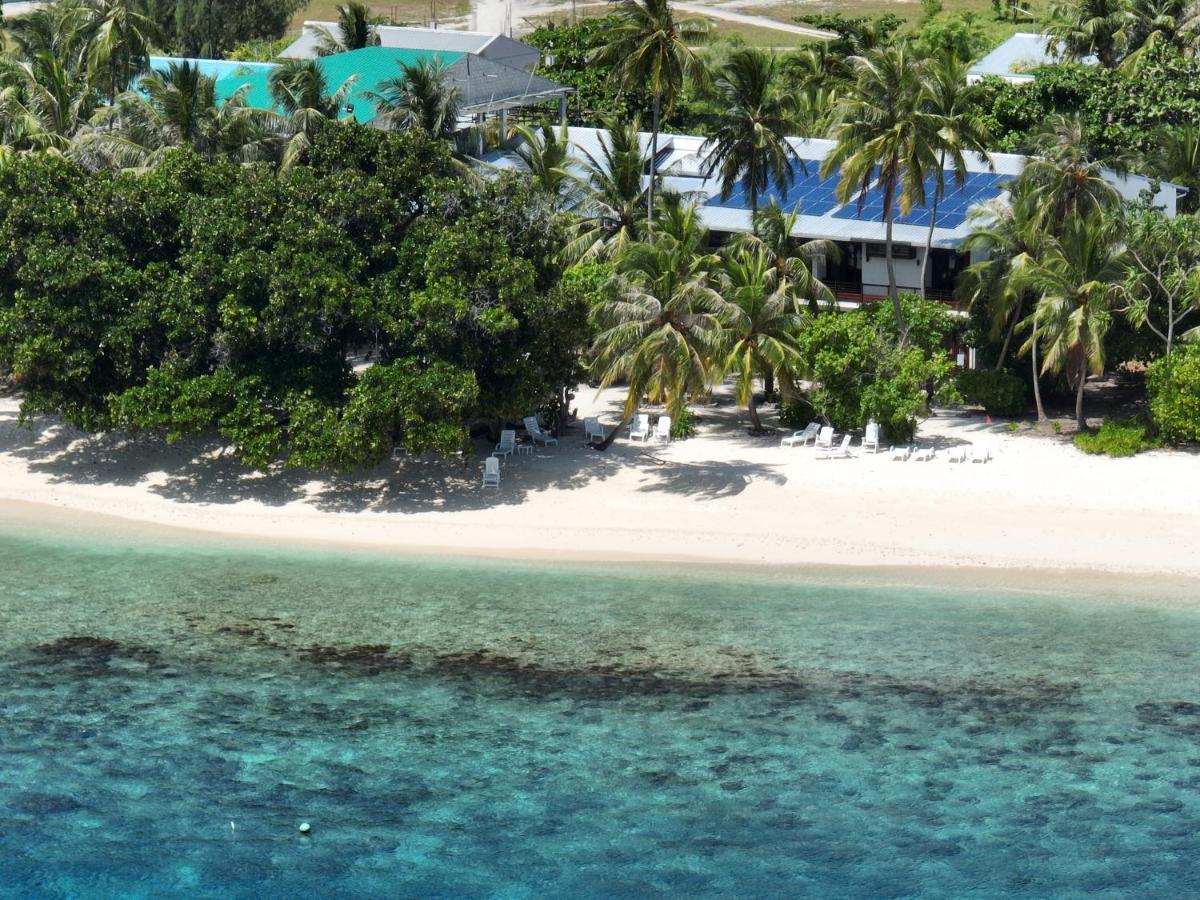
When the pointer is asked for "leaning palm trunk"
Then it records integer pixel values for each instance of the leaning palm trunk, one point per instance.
(612, 435)
(932, 222)
(752, 409)
(1037, 388)
(653, 160)
(1008, 335)
(893, 293)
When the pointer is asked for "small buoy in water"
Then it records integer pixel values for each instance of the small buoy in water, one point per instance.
(232, 827)
(305, 828)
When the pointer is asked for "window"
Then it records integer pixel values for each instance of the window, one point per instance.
(899, 251)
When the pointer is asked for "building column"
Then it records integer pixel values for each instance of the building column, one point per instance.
(562, 110)
(503, 124)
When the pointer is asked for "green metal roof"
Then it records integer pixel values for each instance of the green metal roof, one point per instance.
(372, 65)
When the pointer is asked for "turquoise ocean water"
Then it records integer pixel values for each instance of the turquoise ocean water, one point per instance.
(479, 729)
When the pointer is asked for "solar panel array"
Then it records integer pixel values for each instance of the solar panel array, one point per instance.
(817, 196)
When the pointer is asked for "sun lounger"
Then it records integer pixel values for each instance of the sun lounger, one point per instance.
(923, 454)
(824, 439)
(960, 453)
(593, 431)
(870, 440)
(842, 449)
(640, 429)
(536, 434)
(662, 429)
(900, 454)
(508, 443)
(981, 453)
(491, 472)
(800, 438)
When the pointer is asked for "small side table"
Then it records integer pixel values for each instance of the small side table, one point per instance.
(525, 449)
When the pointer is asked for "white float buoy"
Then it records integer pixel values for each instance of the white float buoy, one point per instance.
(305, 828)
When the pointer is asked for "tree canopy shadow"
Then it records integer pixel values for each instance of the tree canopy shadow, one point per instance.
(707, 479)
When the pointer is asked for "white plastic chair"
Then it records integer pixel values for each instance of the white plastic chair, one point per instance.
(536, 434)
(508, 443)
(871, 438)
(491, 472)
(923, 454)
(824, 439)
(640, 429)
(593, 430)
(662, 429)
(800, 438)
(842, 449)
(900, 454)
(959, 453)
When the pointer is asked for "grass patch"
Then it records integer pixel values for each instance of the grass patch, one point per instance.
(1119, 437)
(751, 35)
(409, 12)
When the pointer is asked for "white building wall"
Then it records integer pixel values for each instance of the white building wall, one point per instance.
(874, 272)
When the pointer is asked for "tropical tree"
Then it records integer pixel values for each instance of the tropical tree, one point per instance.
(180, 108)
(1176, 157)
(1080, 28)
(119, 44)
(299, 88)
(421, 96)
(659, 328)
(961, 130)
(1163, 277)
(1067, 177)
(614, 191)
(1149, 26)
(355, 29)
(649, 51)
(43, 105)
(888, 140)
(792, 259)
(1077, 277)
(750, 142)
(545, 153)
(759, 323)
(56, 31)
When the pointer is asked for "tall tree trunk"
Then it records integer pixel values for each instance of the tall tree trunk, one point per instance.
(1037, 388)
(893, 292)
(752, 408)
(1080, 421)
(1012, 326)
(653, 161)
(612, 435)
(768, 382)
(932, 221)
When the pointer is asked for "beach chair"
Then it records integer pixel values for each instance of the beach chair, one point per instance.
(491, 472)
(534, 430)
(900, 454)
(662, 429)
(508, 443)
(639, 430)
(960, 453)
(923, 454)
(981, 453)
(824, 439)
(800, 438)
(870, 440)
(593, 431)
(830, 452)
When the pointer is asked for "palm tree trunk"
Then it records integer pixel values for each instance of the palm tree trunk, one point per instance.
(1037, 388)
(612, 435)
(752, 408)
(1012, 326)
(768, 383)
(932, 221)
(893, 293)
(1080, 421)
(653, 160)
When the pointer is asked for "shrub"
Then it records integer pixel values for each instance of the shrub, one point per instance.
(683, 426)
(1173, 384)
(1118, 437)
(797, 413)
(999, 393)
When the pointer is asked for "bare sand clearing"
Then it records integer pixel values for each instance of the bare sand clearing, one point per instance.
(722, 497)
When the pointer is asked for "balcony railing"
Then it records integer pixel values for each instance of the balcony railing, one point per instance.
(857, 292)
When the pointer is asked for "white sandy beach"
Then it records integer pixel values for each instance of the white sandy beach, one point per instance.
(721, 497)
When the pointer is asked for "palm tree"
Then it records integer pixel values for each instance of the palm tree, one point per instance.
(887, 140)
(760, 324)
(1176, 157)
(43, 105)
(751, 139)
(1077, 276)
(544, 151)
(180, 108)
(355, 30)
(1069, 180)
(614, 192)
(1080, 28)
(659, 329)
(59, 31)
(421, 96)
(1152, 25)
(791, 258)
(119, 43)
(298, 88)
(648, 50)
(962, 130)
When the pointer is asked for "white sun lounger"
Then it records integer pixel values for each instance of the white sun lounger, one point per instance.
(593, 431)
(800, 438)
(960, 453)
(824, 439)
(842, 449)
(508, 443)
(900, 454)
(923, 454)
(662, 429)
(491, 472)
(536, 434)
(640, 429)
(870, 440)
(982, 452)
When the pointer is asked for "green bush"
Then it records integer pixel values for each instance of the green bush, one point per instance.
(1173, 384)
(999, 393)
(1118, 437)
(796, 413)
(683, 426)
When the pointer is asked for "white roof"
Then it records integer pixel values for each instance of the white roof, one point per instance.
(1014, 59)
(496, 47)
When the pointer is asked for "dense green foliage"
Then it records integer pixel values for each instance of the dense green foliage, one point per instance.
(212, 296)
(1173, 383)
(1118, 437)
(999, 393)
(210, 28)
(862, 373)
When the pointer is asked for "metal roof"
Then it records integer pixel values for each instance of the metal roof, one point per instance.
(1016, 57)
(496, 47)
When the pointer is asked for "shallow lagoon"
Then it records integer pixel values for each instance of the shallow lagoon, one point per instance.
(483, 729)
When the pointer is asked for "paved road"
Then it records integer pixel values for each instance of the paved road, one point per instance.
(717, 12)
